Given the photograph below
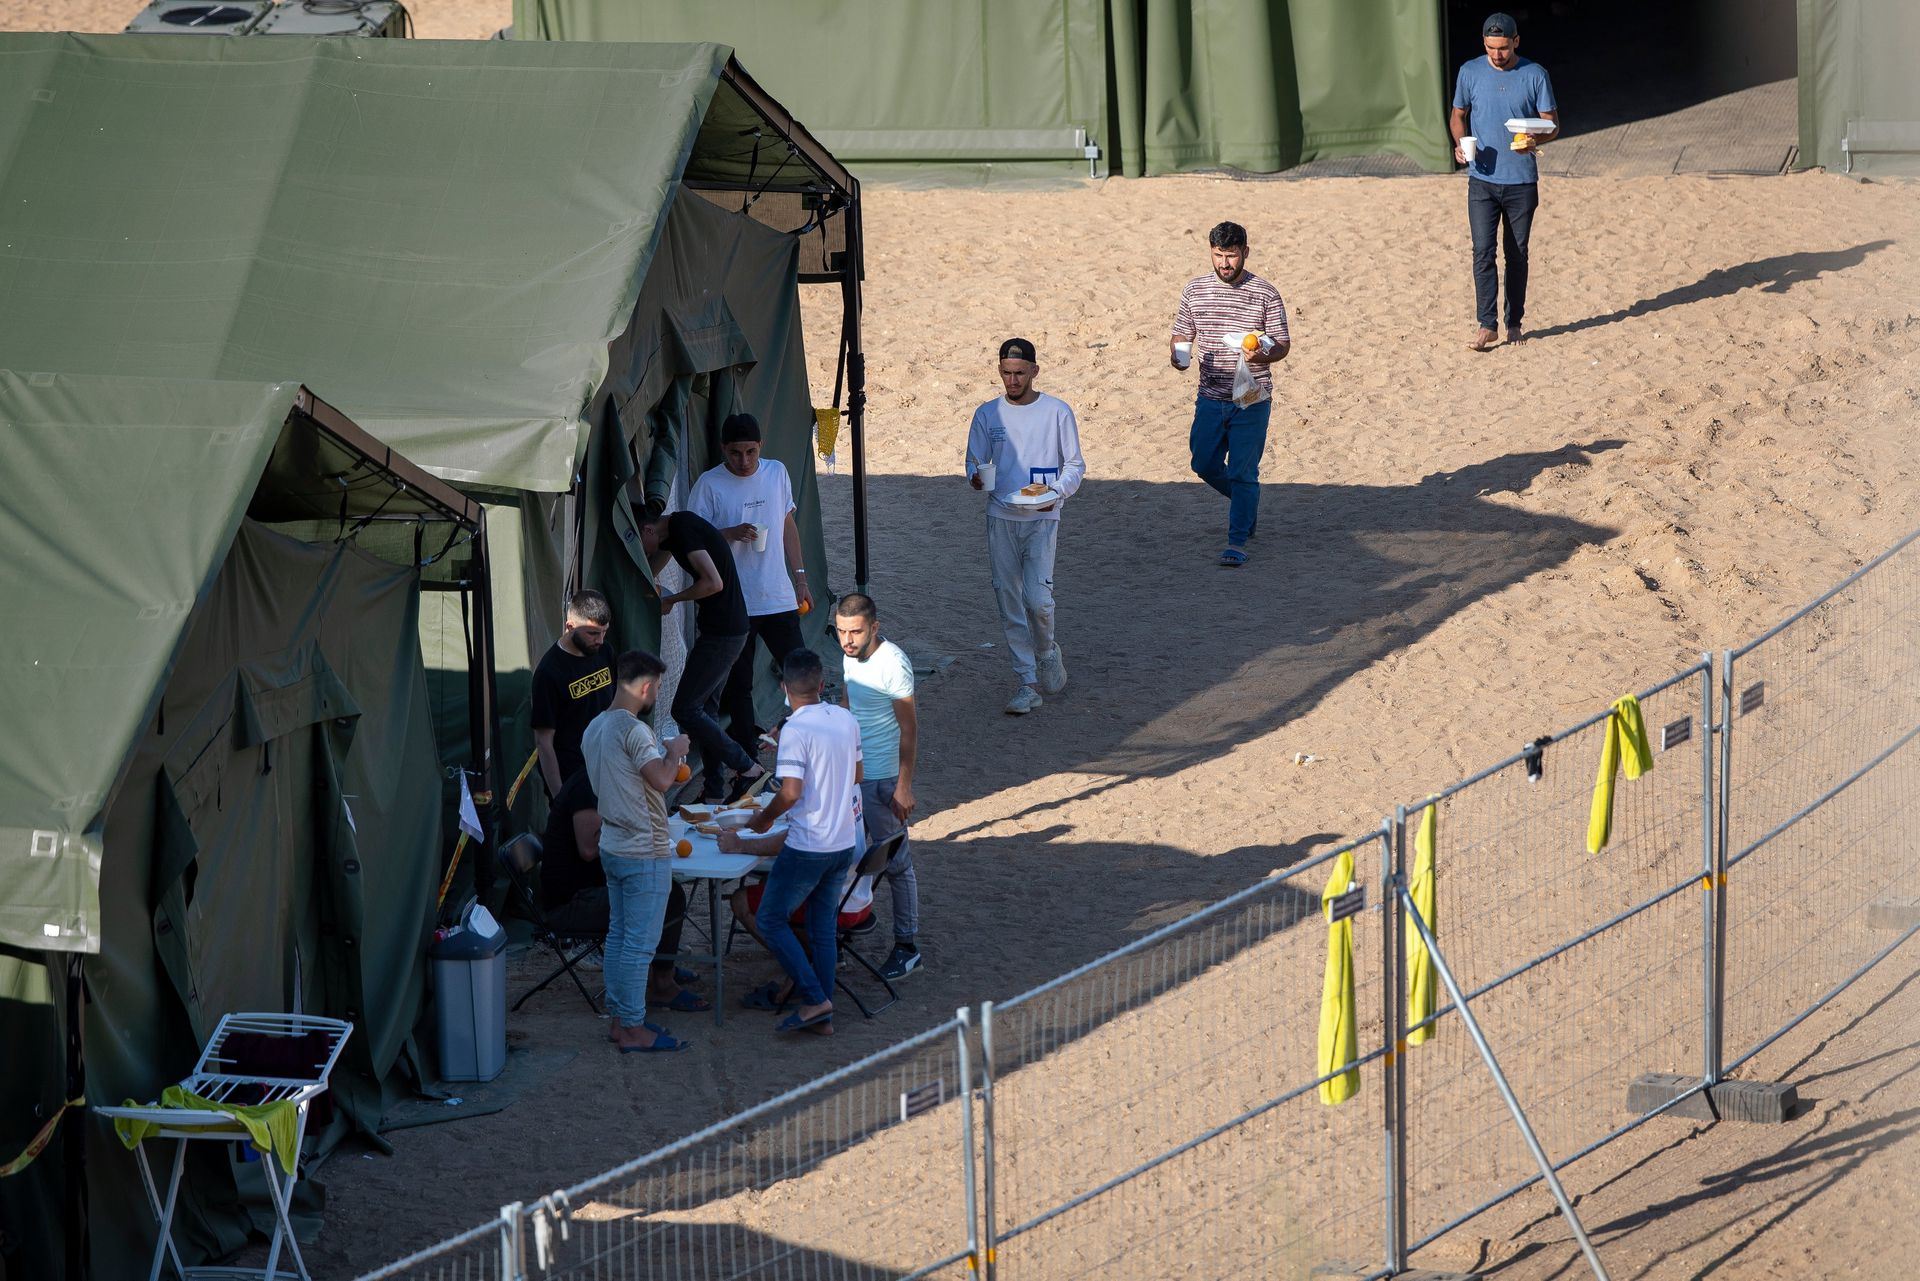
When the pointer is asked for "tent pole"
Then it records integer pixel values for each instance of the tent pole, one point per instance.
(486, 711)
(856, 386)
(74, 1141)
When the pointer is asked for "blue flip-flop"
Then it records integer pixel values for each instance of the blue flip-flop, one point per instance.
(794, 1023)
(685, 1002)
(662, 1042)
(1233, 558)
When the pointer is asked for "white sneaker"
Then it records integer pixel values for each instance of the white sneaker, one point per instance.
(1024, 700)
(1053, 671)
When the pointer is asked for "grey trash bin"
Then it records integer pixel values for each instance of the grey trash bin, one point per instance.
(470, 1003)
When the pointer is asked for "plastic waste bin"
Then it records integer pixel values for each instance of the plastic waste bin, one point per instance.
(470, 999)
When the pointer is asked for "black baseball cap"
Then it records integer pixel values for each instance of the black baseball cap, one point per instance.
(1501, 25)
(1019, 349)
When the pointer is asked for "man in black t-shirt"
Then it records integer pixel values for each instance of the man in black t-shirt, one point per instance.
(573, 888)
(572, 685)
(720, 633)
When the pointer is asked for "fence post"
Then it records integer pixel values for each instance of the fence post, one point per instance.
(986, 1136)
(965, 1017)
(513, 1261)
(1393, 1018)
(1722, 829)
(1709, 951)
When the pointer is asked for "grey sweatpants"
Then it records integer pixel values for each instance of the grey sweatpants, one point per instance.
(1021, 552)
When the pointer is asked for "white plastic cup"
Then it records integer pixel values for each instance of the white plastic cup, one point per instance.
(759, 538)
(1468, 146)
(1182, 354)
(985, 471)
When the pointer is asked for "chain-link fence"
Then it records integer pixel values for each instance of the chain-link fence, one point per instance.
(1162, 1103)
(866, 1174)
(1820, 779)
(1159, 1112)
(481, 1254)
(1585, 969)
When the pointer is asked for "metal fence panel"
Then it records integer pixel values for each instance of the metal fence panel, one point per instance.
(475, 1255)
(859, 1176)
(1822, 787)
(1155, 1112)
(1584, 970)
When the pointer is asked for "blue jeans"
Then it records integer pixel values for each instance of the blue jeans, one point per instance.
(877, 823)
(816, 879)
(1488, 205)
(637, 890)
(1226, 443)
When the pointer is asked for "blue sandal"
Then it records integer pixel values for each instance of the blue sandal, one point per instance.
(662, 1042)
(794, 1023)
(1233, 558)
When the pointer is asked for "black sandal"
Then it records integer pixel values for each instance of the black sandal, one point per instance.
(765, 997)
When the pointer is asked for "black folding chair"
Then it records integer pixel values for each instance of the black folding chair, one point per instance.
(873, 863)
(520, 858)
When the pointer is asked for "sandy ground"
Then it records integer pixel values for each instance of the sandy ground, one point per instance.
(1459, 552)
(1712, 422)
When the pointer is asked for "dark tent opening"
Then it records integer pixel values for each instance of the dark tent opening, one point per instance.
(1614, 62)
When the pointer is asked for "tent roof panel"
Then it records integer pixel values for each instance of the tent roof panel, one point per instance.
(442, 235)
(122, 498)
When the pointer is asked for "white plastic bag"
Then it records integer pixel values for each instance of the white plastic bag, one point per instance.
(1247, 390)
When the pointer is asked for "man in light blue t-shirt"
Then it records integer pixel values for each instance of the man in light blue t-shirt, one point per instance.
(880, 696)
(1503, 184)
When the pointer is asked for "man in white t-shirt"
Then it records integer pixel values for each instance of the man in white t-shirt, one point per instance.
(819, 769)
(743, 496)
(1030, 438)
(879, 679)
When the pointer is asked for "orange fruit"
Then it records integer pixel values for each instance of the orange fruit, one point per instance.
(682, 774)
(806, 607)
(684, 849)
(1250, 343)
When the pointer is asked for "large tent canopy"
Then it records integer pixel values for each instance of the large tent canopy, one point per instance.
(122, 498)
(450, 240)
(444, 236)
(980, 89)
(219, 788)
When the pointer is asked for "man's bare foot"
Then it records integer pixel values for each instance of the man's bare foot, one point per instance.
(1514, 335)
(1483, 341)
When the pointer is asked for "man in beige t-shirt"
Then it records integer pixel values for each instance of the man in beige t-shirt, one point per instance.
(631, 771)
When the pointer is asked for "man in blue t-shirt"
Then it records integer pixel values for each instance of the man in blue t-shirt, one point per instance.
(1503, 180)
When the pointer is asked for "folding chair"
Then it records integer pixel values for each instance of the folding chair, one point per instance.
(520, 857)
(252, 1059)
(873, 863)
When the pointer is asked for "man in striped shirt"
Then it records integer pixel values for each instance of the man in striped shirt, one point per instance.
(1216, 313)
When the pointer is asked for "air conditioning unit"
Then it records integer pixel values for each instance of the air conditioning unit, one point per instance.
(334, 18)
(199, 17)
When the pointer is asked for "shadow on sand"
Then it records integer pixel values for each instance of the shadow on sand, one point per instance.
(1774, 275)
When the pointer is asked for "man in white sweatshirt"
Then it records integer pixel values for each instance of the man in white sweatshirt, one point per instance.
(1031, 439)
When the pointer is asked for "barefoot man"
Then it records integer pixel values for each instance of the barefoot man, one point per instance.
(1503, 183)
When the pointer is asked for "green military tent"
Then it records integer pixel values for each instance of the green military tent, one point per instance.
(536, 270)
(1859, 97)
(452, 239)
(986, 89)
(219, 788)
